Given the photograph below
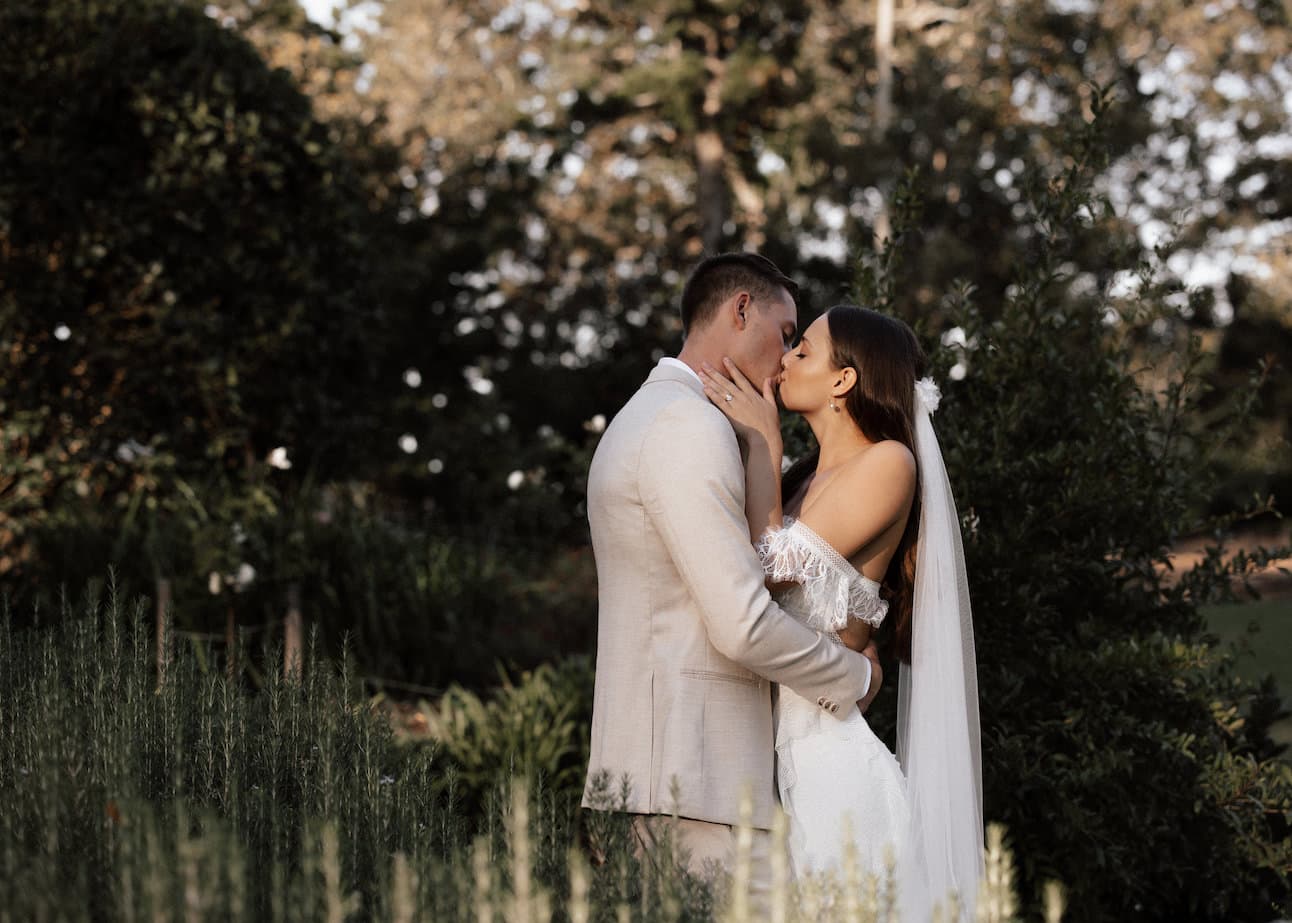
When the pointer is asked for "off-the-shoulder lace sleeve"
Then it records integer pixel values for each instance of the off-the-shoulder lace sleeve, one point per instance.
(834, 589)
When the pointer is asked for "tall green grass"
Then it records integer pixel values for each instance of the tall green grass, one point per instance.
(128, 798)
(196, 797)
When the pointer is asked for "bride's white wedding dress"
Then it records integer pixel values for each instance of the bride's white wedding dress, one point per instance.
(838, 782)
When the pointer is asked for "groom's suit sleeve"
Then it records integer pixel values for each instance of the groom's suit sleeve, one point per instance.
(692, 485)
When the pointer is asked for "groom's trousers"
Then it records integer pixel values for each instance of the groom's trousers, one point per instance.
(708, 850)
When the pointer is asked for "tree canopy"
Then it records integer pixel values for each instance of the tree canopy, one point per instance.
(614, 145)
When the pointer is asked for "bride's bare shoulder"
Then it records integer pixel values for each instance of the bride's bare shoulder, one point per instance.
(885, 465)
(865, 497)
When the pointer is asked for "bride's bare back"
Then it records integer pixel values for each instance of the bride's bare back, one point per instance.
(860, 508)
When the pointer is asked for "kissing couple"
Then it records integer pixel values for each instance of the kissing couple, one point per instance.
(737, 605)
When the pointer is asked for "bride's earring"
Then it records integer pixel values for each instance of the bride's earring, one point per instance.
(834, 406)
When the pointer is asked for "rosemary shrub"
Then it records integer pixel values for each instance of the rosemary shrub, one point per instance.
(201, 797)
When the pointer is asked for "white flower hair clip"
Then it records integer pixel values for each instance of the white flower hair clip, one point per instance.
(927, 394)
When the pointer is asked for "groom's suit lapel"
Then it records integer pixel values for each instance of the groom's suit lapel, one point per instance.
(673, 375)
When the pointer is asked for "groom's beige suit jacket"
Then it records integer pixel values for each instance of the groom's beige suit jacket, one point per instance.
(688, 638)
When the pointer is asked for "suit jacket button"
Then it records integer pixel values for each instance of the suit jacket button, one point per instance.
(834, 707)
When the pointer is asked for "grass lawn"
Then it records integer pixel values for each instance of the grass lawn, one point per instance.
(1267, 650)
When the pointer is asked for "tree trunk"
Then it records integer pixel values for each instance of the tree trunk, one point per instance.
(711, 193)
(292, 635)
(231, 642)
(163, 628)
(883, 104)
(711, 188)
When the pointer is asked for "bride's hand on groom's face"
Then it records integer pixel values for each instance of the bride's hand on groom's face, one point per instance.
(751, 411)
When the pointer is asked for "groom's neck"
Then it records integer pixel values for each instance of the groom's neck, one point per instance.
(697, 351)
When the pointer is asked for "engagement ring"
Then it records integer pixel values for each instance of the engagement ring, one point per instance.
(727, 397)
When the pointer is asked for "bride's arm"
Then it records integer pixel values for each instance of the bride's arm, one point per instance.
(763, 485)
(757, 422)
(855, 635)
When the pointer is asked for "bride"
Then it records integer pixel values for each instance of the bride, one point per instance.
(861, 530)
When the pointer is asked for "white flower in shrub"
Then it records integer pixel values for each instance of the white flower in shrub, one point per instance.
(131, 449)
(278, 459)
(242, 578)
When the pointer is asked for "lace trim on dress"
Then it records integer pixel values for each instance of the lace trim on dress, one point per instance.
(834, 590)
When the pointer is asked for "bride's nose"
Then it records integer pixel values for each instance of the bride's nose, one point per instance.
(785, 358)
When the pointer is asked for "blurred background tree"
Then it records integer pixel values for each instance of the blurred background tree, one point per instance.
(621, 143)
(226, 333)
(186, 279)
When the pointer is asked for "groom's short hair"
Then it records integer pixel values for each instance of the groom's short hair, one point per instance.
(717, 278)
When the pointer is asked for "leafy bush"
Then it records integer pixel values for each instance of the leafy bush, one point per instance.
(537, 726)
(424, 605)
(414, 602)
(1117, 745)
(185, 279)
(199, 272)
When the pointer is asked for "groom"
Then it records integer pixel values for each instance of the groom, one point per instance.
(688, 638)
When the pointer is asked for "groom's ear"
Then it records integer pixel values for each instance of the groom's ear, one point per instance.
(738, 307)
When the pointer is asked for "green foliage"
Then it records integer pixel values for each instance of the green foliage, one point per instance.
(1254, 358)
(186, 796)
(1117, 745)
(419, 603)
(194, 792)
(412, 601)
(229, 280)
(196, 269)
(140, 784)
(538, 725)
(786, 98)
(186, 279)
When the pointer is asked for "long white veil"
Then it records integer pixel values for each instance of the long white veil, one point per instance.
(938, 737)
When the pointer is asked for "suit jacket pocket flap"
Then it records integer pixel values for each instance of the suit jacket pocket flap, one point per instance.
(743, 679)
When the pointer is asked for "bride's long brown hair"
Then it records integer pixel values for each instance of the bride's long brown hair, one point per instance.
(888, 360)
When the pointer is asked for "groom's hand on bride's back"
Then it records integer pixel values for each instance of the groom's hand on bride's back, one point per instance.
(871, 653)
